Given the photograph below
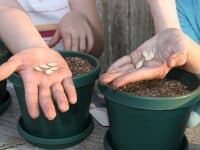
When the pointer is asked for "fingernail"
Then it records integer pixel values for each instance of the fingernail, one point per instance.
(51, 116)
(74, 100)
(64, 107)
(34, 115)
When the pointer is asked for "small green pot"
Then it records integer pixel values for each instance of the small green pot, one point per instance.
(68, 128)
(155, 123)
(5, 98)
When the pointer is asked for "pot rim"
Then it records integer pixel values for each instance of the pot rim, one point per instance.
(152, 103)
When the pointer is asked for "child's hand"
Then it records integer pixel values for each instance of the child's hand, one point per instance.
(170, 50)
(39, 87)
(76, 33)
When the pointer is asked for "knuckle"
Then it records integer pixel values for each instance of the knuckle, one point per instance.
(44, 84)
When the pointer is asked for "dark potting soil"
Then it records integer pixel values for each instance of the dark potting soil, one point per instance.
(79, 65)
(156, 88)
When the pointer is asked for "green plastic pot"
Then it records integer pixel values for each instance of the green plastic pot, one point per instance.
(68, 128)
(109, 146)
(155, 123)
(5, 98)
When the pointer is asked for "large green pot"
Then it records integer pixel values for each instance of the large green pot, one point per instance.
(5, 98)
(68, 128)
(150, 123)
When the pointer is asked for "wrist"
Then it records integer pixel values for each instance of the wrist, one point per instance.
(76, 12)
(21, 45)
(40, 48)
(193, 54)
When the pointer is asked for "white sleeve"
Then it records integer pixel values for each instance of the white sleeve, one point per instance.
(45, 11)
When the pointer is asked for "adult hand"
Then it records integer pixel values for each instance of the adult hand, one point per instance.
(39, 87)
(170, 48)
(76, 33)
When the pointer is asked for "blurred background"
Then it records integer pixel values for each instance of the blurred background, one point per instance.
(127, 24)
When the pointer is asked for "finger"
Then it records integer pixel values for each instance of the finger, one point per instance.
(120, 62)
(60, 97)
(31, 97)
(70, 90)
(75, 42)
(90, 40)
(140, 75)
(46, 102)
(177, 59)
(9, 67)
(67, 41)
(110, 76)
(55, 39)
(82, 43)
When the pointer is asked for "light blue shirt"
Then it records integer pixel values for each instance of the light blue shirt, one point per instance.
(189, 17)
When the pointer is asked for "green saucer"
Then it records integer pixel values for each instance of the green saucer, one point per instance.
(108, 144)
(54, 143)
(5, 102)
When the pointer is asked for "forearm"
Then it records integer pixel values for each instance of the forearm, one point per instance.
(17, 30)
(164, 14)
(193, 57)
(88, 9)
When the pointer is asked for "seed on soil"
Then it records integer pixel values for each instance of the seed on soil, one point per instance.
(48, 72)
(79, 65)
(44, 66)
(37, 69)
(52, 64)
(139, 64)
(156, 88)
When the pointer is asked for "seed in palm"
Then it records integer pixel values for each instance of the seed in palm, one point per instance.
(139, 64)
(149, 55)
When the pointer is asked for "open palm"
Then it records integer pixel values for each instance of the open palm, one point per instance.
(39, 87)
(169, 50)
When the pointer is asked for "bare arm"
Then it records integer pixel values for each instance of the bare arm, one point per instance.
(173, 49)
(17, 30)
(193, 57)
(89, 9)
(164, 14)
(23, 39)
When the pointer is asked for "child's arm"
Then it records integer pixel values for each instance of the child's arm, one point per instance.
(89, 9)
(81, 28)
(17, 30)
(22, 38)
(164, 14)
(173, 48)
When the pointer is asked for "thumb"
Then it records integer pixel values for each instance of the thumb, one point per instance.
(177, 59)
(9, 67)
(55, 39)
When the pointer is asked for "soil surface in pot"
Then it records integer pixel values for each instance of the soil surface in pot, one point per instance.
(79, 65)
(156, 88)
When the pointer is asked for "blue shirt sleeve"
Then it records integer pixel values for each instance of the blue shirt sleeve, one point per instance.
(189, 17)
